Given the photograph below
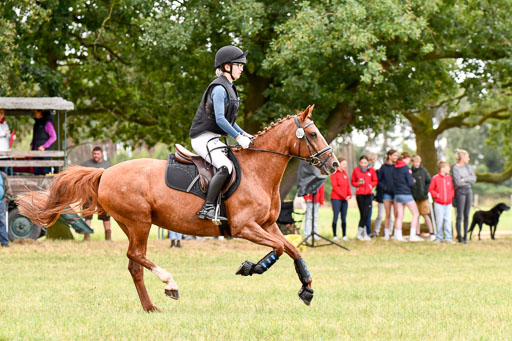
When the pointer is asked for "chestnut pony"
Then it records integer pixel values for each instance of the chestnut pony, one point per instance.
(134, 193)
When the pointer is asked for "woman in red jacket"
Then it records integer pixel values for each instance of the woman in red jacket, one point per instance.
(365, 180)
(339, 196)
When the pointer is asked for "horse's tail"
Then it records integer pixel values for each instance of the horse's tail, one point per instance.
(77, 186)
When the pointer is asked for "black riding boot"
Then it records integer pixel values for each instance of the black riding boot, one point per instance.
(216, 184)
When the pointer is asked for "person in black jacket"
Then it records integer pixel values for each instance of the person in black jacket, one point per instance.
(420, 193)
(385, 176)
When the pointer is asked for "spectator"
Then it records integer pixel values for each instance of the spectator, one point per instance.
(175, 238)
(463, 178)
(365, 180)
(97, 161)
(441, 189)
(372, 162)
(5, 197)
(310, 206)
(340, 194)
(385, 178)
(5, 138)
(378, 197)
(403, 182)
(43, 137)
(420, 193)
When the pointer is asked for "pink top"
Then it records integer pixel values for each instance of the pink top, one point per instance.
(50, 130)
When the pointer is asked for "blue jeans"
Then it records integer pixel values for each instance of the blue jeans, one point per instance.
(338, 206)
(175, 235)
(443, 215)
(3, 227)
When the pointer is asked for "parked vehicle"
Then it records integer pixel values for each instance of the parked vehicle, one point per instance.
(20, 164)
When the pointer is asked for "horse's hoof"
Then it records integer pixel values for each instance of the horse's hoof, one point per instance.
(152, 309)
(172, 293)
(306, 295)
(245, 269)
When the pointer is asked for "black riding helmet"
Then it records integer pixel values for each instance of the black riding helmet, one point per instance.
(228, 55)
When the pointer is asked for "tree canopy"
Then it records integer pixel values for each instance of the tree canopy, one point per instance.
(136, 70)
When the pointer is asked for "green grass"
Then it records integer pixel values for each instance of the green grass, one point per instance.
(325, 219)
(379, 290)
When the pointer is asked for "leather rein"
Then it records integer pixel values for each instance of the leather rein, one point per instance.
(313, 159)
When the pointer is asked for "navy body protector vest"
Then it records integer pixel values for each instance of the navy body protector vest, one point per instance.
(204, 120)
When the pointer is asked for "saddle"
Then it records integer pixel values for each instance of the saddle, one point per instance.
(188, 172)
(205, 169)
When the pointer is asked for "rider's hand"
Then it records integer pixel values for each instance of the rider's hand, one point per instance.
(248, 135)
(244, 141)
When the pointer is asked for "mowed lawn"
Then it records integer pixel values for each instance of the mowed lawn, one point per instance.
(71, 290)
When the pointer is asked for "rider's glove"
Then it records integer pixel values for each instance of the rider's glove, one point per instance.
(248, 135)
(244, 141)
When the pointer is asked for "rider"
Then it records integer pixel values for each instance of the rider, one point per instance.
(214, 118)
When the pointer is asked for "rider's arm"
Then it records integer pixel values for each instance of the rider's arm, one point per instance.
(237, 128)
(219, 98)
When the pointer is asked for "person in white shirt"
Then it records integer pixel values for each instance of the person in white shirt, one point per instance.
(5, 137)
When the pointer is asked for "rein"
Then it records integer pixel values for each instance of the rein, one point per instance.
(313, 159)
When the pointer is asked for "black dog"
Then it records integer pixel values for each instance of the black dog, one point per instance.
(490, 218)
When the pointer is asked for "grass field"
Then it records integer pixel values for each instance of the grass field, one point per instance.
(71, 290)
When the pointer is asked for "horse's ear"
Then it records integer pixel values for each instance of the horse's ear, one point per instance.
(306, 113)
(310, 110)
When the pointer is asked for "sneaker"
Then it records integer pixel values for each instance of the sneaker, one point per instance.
(366, 237)
(432, 238)
(5, 245)
(438, 241)
(360, 234)
(415, 238)
(345, 238)
(450, 241)
(400, 239)
(385, 238)
(335, 238)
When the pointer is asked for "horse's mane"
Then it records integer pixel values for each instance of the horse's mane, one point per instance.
(272, 125)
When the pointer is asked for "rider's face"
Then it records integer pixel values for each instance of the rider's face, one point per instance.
(237, 70)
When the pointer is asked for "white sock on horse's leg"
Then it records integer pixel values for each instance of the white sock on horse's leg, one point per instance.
(165, 277)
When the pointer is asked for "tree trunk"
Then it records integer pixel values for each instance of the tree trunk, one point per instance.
(254, 101)
(426, 148)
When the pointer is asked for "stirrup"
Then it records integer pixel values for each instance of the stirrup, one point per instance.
(211, 212)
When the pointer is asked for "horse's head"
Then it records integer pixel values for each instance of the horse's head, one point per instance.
(312, 145)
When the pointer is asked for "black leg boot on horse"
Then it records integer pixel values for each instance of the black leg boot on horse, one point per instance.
(216, 184)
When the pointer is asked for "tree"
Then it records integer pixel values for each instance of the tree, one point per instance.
(138, 69)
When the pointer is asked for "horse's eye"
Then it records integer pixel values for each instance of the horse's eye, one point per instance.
(313, 135)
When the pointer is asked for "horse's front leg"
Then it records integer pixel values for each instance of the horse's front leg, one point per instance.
(254, 233)
(306, 292)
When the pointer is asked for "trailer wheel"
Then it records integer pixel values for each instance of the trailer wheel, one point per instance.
(20, 227)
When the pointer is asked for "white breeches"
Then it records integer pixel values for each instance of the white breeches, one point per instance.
(216, 157)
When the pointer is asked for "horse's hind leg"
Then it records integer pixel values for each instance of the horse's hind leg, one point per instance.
(138, 237)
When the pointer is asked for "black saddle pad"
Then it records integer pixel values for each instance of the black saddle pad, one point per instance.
(185, 178)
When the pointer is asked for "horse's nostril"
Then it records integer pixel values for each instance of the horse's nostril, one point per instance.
(335, 164)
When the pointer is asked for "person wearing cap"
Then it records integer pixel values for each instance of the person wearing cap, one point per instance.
(215, 118)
